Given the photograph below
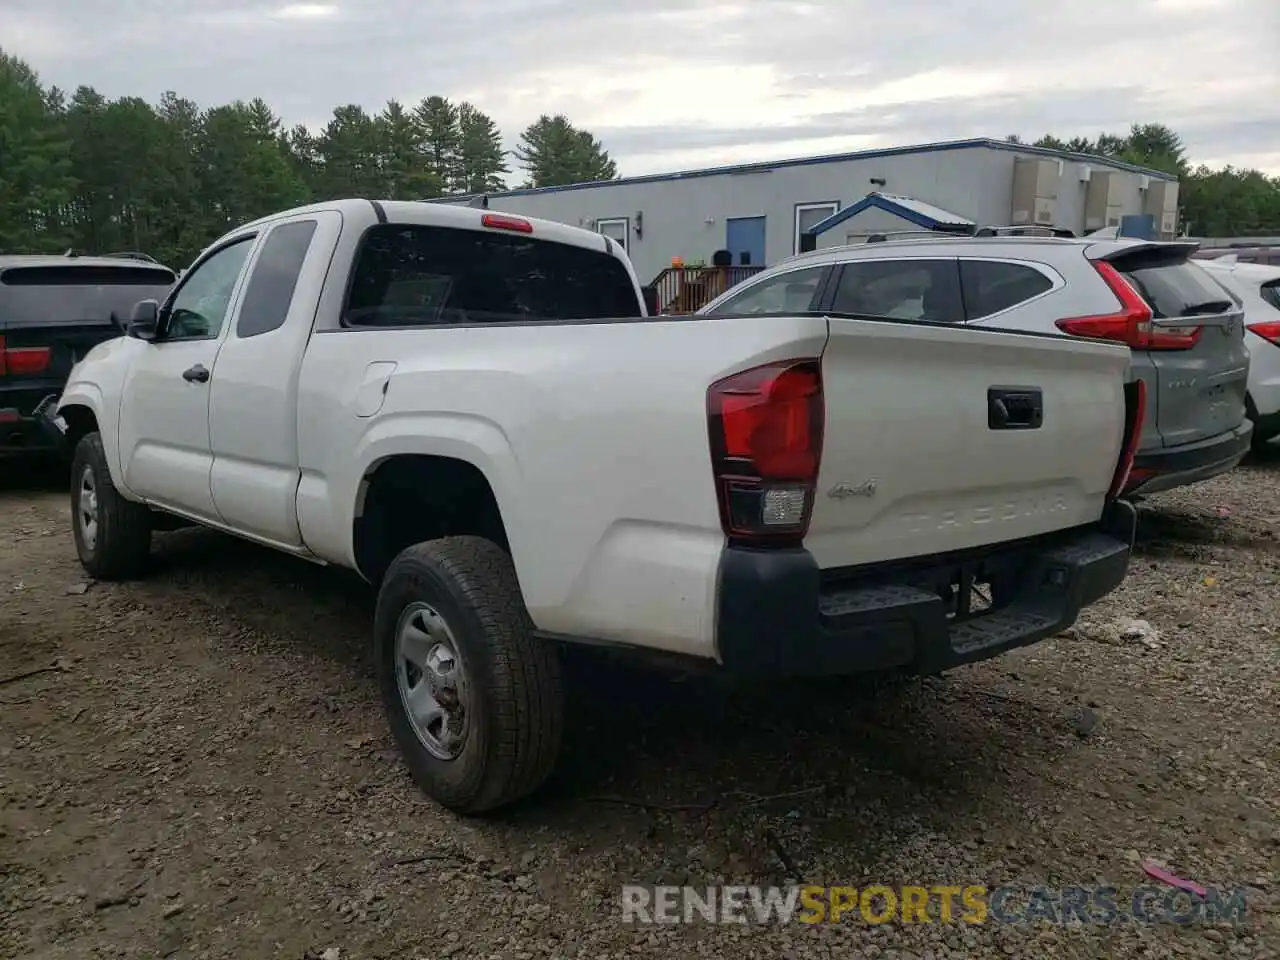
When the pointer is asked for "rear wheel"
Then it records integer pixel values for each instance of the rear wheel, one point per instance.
(473, 698)
(1261, 439)
(112, 534)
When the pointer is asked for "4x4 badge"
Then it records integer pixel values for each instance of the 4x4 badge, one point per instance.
(842, 490)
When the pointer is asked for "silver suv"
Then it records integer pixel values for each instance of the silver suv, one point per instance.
(1185, 330)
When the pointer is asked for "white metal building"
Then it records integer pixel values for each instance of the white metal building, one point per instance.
(759, 211)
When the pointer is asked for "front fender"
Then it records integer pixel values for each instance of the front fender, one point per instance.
(89, 396)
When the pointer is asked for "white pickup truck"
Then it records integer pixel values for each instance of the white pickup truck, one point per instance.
(476, 412)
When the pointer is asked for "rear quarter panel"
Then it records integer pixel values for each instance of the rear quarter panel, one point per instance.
(593, 437)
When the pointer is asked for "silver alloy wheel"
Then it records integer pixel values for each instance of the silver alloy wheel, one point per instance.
(431, 680)
(87, 508)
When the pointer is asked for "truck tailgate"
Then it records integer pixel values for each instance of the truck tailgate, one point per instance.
(942, 438)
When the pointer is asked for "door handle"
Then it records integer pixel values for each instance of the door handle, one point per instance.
(196, 374)
(1015, 408)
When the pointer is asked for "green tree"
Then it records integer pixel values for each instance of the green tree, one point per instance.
(303, 150)
(348, 152)
(100, 175)
(1156, 146)
(181, 228)
(36, 184)
(406, 169)
(437, 120)
(1231, 202)
(481, 160)
(91, 157)
(554, 152)
(1226, 202)
(245, 173)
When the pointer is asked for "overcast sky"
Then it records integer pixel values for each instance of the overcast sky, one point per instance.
(677, 84)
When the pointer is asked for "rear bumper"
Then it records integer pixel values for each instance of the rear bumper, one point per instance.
(25, 432)
(1169, 467)
(778, 615)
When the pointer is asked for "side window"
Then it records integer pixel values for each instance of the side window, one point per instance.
(990, 286)
(274, 277)
(901, 290)
(790, 292)
(1270, 293)
(199, 308)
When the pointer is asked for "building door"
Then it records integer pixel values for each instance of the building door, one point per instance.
(1139, 226)
(744, 238)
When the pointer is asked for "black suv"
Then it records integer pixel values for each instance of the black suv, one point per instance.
(54, 310)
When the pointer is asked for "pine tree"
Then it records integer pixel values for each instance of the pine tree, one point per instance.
(481, 159)
(554, 152)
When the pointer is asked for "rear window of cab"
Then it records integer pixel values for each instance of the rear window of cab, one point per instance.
(416, 275)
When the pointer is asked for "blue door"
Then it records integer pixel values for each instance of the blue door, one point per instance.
(1140, 226)
(744, 238)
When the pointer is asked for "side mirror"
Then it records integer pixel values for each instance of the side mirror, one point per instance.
(144, 322)
(651, 305)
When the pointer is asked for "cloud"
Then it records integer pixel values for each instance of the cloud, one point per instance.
(674, 84)
(307, 11)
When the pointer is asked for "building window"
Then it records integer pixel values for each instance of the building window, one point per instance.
(617, 229)
(809, 215)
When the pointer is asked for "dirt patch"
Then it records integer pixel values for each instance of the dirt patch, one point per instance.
(200, 768)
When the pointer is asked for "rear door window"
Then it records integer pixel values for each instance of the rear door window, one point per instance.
(901, 290)
(413, 275)
(990, 286)
(274, 277)
(1270, 293)
(46, 294)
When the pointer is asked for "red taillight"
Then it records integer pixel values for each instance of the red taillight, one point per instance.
(765, 428)
(23, 360)
(1269, 331)
(1135, 403)
(497, 221)
(1133, 325)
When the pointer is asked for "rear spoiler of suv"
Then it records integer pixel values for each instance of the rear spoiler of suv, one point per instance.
(1153, 251)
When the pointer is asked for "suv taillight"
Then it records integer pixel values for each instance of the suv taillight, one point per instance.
(1268, 330)
(23, 360)
(765, 427)
(1132, 325)
(1135, 408)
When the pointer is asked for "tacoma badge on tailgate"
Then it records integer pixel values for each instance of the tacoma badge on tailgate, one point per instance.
(843, 489)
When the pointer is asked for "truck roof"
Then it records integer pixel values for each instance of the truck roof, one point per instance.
(420, 212)
(62, 260)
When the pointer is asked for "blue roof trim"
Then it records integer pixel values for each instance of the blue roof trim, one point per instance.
(941, 147)
(880, 203)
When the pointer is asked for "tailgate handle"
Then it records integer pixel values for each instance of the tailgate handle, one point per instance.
(1015, 408)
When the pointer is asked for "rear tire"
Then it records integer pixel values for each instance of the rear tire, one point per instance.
(112, 534)
(474, 700)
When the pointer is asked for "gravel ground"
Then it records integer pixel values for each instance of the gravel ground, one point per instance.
(205, 772)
